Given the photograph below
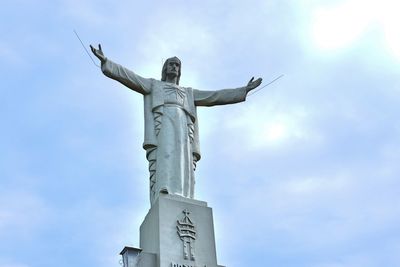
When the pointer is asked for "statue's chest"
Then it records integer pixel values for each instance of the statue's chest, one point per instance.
(174, 94)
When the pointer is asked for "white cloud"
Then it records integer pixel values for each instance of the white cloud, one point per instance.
(13, 265)
(173, 37)
(341, 25)
(21, 213)
(267, 127)
(107, 228)
(9, 55)
(331, 209)
(390, 20)
(91, 12)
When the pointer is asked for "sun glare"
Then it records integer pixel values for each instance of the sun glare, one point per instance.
(342, 25)
(338, 26)
(390, 21)
(281, 130)
(275, 132)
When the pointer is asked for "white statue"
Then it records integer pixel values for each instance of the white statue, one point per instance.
(171, 136)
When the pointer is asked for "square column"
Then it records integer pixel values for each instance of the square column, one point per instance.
(180, 232)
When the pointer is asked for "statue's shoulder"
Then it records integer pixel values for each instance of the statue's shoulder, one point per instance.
(189, 90)
(157, 82)
(186, 88)
(154, 82)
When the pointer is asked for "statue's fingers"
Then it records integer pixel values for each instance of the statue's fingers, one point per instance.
(100, 47)
(252, 78)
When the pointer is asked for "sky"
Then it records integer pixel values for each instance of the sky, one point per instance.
(304, 173)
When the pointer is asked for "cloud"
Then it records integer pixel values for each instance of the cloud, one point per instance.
(86, 12)
(12, 265)
(21, 214)
(11, 56)
(346, 213)
(270, 128)
(169, 36)
(340, 25)
(344, 24)
(99, 230)
(305, 173)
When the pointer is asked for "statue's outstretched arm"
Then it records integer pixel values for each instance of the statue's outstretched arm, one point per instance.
(122, 74)
(224, 96)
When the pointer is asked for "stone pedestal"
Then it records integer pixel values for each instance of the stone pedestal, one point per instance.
(177, 232)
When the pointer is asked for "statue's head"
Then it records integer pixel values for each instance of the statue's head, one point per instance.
(169, 63)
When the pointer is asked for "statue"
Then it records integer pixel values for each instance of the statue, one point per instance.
(171, 136)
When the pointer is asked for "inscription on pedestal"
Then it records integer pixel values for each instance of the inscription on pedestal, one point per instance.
(187, 233)
(183, 265)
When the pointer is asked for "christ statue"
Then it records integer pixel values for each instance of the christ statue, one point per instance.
(171, 135)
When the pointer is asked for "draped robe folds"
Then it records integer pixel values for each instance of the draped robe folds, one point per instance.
(171, 137)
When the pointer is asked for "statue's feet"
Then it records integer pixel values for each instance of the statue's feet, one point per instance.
(164, 190)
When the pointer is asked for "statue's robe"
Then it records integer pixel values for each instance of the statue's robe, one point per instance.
(171, 138)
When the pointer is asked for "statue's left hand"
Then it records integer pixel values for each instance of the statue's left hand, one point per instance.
(253, 84)
(98, 53)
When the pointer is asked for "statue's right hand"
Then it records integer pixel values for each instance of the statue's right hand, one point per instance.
(98, 53)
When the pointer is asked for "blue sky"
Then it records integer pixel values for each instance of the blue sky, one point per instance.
(305, 173)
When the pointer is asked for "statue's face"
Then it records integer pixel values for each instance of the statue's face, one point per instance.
(173, 67)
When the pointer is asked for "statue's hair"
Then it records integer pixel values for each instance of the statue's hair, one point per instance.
(164, 69)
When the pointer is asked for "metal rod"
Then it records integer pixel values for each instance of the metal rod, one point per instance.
(274, 80)
(87, 52)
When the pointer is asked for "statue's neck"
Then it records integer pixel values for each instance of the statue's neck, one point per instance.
(173, 80)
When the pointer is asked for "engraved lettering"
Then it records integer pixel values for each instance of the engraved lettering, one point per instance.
(173, 264)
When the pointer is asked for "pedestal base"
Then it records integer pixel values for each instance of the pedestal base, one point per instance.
(177, 232)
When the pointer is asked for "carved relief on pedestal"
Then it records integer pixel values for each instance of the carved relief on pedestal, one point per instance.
(187, 233)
